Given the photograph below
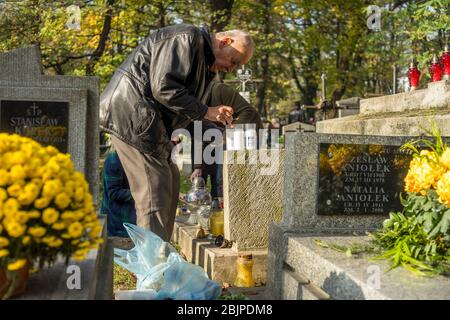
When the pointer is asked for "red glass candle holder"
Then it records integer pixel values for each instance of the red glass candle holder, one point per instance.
(436, 70)
(446, 62)
(413, 76)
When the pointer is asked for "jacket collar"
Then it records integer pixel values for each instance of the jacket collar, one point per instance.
(209, 53)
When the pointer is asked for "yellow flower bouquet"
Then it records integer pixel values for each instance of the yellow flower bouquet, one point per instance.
(46, 209)
(418, 238)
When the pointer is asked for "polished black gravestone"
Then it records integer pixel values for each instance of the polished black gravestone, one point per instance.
(360, 178)
(44, 121)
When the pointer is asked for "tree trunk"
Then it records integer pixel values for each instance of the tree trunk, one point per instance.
(97, 54)
(221, 14)
(162, 15)
(261, 93)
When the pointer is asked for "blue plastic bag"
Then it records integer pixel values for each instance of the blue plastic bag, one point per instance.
(159, 267)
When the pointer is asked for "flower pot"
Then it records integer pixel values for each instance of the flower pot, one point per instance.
(13, 283)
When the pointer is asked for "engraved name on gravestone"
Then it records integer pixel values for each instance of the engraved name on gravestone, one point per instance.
(44, 121)
(361, 179)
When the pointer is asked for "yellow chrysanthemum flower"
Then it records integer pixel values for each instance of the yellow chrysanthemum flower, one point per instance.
(37, 232)
(15, 229)
(62, 200)
(79, 257)
(55, 243)
(26, 240)
(58, 226)
(95, 231)
(34, 214)
(443, 189)
(4, 242)
(42, 203)
(50, 216)
(4, 177)
(17, 157)
(51, 188)
(79, 194)
(11, 206)
(68, 215)
(423, 174)
(16, 265)
(17, 172)
(445, 158)
(3, 195)
(21, 217)
(69, 188)
(75, 229)
(4, 253)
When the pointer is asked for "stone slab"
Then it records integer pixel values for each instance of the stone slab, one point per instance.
(353, 278)
(220, 264)
(22, 68)
(437, 95)
(96, 273)
(252, 196)
(392, 124)
(301, 185)
(337, 275)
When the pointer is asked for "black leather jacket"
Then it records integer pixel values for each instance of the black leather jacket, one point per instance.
(158, 88)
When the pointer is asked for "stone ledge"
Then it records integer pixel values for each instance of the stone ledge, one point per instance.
(218, 263)
(437, 95)
(351, 278)
(390, 126)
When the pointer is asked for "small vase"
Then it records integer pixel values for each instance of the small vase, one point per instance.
(13, 283)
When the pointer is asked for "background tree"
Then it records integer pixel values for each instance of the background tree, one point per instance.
(296, 40)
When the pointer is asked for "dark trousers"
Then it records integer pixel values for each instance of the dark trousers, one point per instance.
(154, 185)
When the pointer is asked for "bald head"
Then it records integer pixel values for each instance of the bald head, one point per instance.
(232, 49)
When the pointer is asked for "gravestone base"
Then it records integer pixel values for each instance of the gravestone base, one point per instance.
(96, 277)
(219, 264)
(300, 269)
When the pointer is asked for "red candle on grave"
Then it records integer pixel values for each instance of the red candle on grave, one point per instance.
(436, 70)
(446, 62)
(413, 75)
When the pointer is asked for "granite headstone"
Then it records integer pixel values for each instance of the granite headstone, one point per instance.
(342, 184)
(53, 109)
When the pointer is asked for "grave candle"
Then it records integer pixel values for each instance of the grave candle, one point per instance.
(435, 69)
(413, 75)
(446, 62)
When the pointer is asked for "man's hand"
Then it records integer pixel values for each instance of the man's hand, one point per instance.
(196, 173)
(223, 114)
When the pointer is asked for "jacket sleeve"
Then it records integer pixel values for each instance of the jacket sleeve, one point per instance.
(223, 94)
(172, 62)
(115, 180)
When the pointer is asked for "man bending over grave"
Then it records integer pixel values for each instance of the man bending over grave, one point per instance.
(155, 91)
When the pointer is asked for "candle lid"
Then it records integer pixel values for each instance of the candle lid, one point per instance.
(435, 59)
(413, 63)
(246, 255)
